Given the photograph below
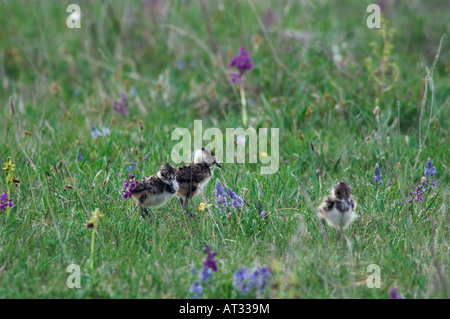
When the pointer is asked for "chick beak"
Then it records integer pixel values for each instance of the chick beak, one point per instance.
(217, 164)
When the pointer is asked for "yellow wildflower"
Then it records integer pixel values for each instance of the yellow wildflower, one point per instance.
(93, 220)
(9, 166)
(202, 207)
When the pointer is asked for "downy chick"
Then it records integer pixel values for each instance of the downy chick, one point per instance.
(155, 191)
(338, 209)
(192, 178)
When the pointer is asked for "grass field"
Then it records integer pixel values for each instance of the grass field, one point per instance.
(319, 73)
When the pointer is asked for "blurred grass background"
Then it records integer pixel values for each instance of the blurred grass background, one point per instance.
(310, 79)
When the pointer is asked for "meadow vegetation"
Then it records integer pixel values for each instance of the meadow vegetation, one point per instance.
(346, 99)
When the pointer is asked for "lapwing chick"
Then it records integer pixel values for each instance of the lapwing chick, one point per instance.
(338, 209)
(192, 178)
(155, 191)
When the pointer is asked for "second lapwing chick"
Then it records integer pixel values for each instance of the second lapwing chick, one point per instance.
(192, 178)
(338, 209)
(155, 191)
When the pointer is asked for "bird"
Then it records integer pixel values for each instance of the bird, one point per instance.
(155, 191)
(338, 209)
(192, 178)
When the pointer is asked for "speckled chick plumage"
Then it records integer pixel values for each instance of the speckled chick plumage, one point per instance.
(192, 178)
(339, 208)
(155, 191)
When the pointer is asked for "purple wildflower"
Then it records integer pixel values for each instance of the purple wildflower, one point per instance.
(227, 198)
(268, 19)
(259, 277)
(121, 105)
(5, 201)
(209, 261)
(106, 130)
(260, 211)
(196, 289)
(132, 166)
(209, 266)
(204, 274)
(393, 294)
(129, 186)
(181, 64)
(417, 195)
(79, 157)
(236, 201)
(245, 281)
(219, 188)
(95, 132)
(240, 281)
(221, 197)
(377, 177)
(429, 171)
(242, 62)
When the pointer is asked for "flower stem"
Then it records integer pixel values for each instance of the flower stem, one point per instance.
(244, 103)
(136, 228)
(9, 193)
(92, 248)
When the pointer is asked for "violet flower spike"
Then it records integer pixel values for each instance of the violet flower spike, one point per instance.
(256, 280)
(221, 197)
(209, 266)
(129, 186)
(106, 130)
(5, 201)
(121, 105)
(204, 274)
(393, 294)
(429, 171)
(242, 62)
(261, 213)
(209, 261)
(240, 281)
(236, 201)
(377, 177)
(259, 277)
(95, 132)
(132, 166)
(196, 289)
(227, 198)
(268, 19)
(417, 195)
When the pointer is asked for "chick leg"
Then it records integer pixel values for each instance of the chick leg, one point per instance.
(324, 235)
(340, 237)
(144, 212)
(349, 245)
(186, 201)
(340, 231)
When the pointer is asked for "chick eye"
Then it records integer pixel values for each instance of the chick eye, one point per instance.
(213, 154)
